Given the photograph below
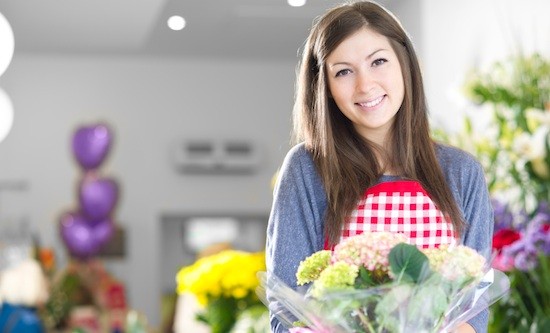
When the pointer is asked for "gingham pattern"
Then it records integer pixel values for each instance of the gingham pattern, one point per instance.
(401, 206)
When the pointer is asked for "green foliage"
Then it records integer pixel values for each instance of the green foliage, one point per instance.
(364, 279)
(514, 149)
(220, 314)
(408, 263)
(228, 314)
(519, 83)
(514, 146)
(254, 319)
(68, 292)
(527, 308)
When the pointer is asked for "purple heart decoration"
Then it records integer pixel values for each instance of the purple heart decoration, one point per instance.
(91, 145)
(97, 197)
(82, 239)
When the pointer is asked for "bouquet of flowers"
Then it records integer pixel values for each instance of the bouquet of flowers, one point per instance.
(224, 283)
(521, 244)
(376, 282)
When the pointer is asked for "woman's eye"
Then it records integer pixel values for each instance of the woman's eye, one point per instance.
(343, 72)
(379, 62)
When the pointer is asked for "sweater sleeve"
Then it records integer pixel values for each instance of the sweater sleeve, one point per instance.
(295, 225)
(479, 215)
(467, 181)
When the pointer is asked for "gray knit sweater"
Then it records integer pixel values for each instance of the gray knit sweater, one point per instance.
(295, 227)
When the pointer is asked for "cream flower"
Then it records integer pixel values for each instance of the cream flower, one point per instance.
(24, 284)
(531, 147)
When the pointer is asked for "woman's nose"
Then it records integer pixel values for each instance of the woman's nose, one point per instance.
(364, 81)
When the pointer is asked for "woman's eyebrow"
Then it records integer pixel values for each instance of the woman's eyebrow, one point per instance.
(376, 51)
(345, 63)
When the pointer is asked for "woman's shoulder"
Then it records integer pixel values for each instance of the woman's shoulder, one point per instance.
(299, 154)
(459, 167)
(299, 163)
(450, 156)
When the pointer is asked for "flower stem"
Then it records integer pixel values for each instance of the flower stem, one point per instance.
(543, 281)
(365, 322)
(530, 292)
(518, 295)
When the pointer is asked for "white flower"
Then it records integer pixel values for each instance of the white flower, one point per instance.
(537, 117)
(531, 147)
(24, 284)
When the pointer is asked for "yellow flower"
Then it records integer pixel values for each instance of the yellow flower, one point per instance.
(229, 273)
(540, 167)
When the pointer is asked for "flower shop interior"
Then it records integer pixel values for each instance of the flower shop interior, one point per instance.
(139, 138)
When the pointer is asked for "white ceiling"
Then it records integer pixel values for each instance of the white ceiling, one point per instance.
(215, 28)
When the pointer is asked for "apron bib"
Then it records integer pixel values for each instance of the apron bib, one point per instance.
(401, 206)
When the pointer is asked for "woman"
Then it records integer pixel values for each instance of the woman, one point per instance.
(361, 123)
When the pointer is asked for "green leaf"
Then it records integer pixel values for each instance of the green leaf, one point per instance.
(364, 279)
(543, 324)
(220, 314)
(408, 263)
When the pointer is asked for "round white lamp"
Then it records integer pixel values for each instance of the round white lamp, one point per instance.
(6, 114)
(176, 22)
(6, 44)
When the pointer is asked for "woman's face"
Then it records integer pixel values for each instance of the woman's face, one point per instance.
(365, 81)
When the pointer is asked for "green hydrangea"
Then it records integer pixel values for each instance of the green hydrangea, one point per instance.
(310, 268)
(338, 276)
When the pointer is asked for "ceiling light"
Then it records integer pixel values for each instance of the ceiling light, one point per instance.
(176, 22)
(6, 51)
(296, 3)
(6, 114)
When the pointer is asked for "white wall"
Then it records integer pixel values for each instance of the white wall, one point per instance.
(460, 35)
(150, 105)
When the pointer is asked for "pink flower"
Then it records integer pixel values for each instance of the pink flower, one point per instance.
(369, 249)
(503, 263)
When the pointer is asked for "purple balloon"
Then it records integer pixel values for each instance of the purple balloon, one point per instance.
(103, 231)
(91, 145)
(83, 240)
(97, 197)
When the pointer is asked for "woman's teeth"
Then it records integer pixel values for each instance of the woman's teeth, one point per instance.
(373, 102)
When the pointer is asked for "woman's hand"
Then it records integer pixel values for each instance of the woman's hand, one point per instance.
(464, 328)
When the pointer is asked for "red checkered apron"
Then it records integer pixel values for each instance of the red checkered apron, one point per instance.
(401, 206)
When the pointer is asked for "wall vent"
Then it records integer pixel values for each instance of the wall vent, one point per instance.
(216, 156)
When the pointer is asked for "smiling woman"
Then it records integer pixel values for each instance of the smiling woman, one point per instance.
(364, 160)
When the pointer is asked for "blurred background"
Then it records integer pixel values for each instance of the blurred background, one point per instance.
(200, 117)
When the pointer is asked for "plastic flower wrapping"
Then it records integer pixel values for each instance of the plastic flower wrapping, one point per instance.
(376, 282)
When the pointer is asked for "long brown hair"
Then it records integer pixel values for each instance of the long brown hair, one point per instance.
(347, 162)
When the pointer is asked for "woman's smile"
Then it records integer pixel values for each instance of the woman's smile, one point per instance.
(372, 103)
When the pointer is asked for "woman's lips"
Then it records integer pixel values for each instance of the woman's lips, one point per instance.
(372, 103)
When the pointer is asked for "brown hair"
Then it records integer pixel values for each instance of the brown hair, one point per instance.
(347, 162)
